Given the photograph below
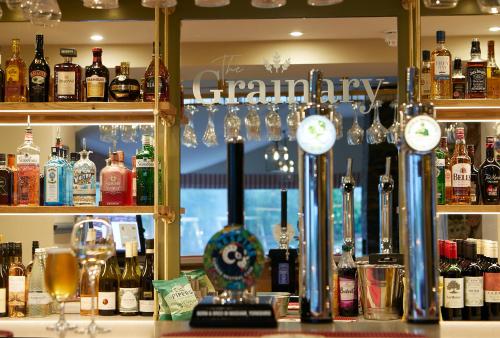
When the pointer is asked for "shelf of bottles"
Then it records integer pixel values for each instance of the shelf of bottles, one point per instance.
(467, 209)
(473, 110)
(80, 210)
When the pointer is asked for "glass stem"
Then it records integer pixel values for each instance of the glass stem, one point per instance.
(93, 271)
(62, 319)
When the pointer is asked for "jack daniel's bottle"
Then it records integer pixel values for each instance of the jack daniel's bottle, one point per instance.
(476, 73)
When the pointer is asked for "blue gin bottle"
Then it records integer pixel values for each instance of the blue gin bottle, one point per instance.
(55, 180)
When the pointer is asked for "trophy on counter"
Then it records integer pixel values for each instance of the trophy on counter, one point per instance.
(233, 260)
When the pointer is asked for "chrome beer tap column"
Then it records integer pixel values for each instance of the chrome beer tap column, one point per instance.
(385, 188)
(348, 184)
(316, 136)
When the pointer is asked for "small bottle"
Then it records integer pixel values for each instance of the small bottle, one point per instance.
(149, 82)
(28, 166)
(108, 289)
(460, 170)
(96, 79)
(146, 297)
(489, 174)
(84, 179)
(474, 176)
(39, 75)
(15, 75)
(55, 180)
(17, 283)
(453, 287)
(123, 88)
(441, 69)
(473, 279)
(476, 73)
(38, 298)
(493, 73)
(11, 163)
(6, 181)
(492, 285)
(459, 85)
(86, 294)
(67, 78)
(348, 284)
(425, 75)
(145, 172)
(129, 285)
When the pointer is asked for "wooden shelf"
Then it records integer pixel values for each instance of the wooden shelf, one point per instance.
(467, 110)
(65, 210)
(81, 112)
(468, 209)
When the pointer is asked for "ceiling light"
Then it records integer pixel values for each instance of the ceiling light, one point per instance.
(495, 29)
(96, 37)
(296, 34)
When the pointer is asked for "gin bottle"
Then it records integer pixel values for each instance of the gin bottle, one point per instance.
(28, 166)
(84, 179)
(54, 184)
(114, 183)
(145, 172)
(38, 298)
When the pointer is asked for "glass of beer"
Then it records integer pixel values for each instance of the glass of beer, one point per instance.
(61, 279)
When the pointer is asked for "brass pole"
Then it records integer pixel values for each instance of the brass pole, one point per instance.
(418, 52)
(156, 176)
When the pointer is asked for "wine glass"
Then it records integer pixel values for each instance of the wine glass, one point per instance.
(45, 13)
(129, 133)
(146, 129)
(92, 242)
(394, 131)
(293, 120)
(189, 135)
(61, 280)
(252, 123)
(337, 120)
(210, 136)
(355, 133)
(160, 3)
(101, 4)
(273, 124)
(13, 4)
(108, 133)
(377, 133)
(232, 124)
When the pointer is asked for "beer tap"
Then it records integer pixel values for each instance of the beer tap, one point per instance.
(385, 188)
(348, 184)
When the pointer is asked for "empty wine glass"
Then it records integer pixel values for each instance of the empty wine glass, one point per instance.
(394, 131)
(273, 124)
(128, 133)
(101, 4)
(92, 242)
(13, 4)
(160, 3)
(108, 133)
(337, 120)
(147, 129)
(27, 7)
(355, 133)
(232, 124)
(45, 13)
(189, 135)
(211, 3)
(252, 123)
(377, 133)
(210, 136)
(293, 120)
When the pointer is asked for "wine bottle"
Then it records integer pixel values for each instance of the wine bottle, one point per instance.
(146, 298)
(129, 285)
(492, 285)
(473, 281)
(108, 289)
(17, 282)
(453, 287)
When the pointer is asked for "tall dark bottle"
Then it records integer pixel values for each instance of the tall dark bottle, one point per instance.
(474, 176)
(108, 289)
(96, 79)
(146, 295)
(473, 284)
(39, 75)
(489, 174)
(453, 286)
(491, 309)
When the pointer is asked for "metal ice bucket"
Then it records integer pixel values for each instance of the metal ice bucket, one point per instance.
(381, 291)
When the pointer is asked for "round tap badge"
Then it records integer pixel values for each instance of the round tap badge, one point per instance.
(316, 134)
(422, 133)
(233, 258)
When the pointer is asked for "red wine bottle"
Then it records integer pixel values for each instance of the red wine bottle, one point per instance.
(453, 286)
(492, 285)
(473, 281)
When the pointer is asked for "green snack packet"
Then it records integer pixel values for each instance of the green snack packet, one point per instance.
(164, 309)
(179, 296)
(201, 275)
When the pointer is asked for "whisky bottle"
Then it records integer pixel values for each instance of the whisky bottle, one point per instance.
(17, 283)
(2, 82)
(129, 285)
(441, 159)
(146, 297)
(38, 298)
(460, 164)
(84, 179)
(149, 81)
(15, 75)
(28, 166)
(425, 75)
(108, 289)
(474, 176)
(123, 88)
(96, 79)
(489, 174)
(6, 181)
(493, 73)
(67, 78)
(145, 172)
(39, 75)
(476, 73)
(86, 294)
(453, 286)
(441, 69)
(458, 82)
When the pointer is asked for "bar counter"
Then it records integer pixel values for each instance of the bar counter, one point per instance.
(146, 327)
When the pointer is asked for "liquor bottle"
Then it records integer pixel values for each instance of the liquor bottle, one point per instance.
(108, 289)
(38, 298)
(2, 83)
(460, 170)
(123, 88)
(96, 79)
(3, 280)
(476, 73)
(146, 297)
(6, 181)
(84, 179)
(149, 81)
(121, 163)
(134, 180)
(489, 174)
(129, 285)
(425, 75)
(39, 75)
(17, 283)
(348, 285)
(34, 245)
(459, 85)
(474, 176)
(145, 172)
(441, 158)
(11, 163)
(54, 185)
(493, 73)
(473, 284)
(15, 75)
(67, 78)
(453, 287)
(86, 294)
(114, 183)
(492, 285)
(73, 158)
(67, 176)
(441, 69)
(28, 166)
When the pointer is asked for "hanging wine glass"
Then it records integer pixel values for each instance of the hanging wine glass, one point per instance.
(160, 3)
(337, 120)
(393, 134)
(101, 4)
(252, 123)
(45, 13)
(355, 134)
(377, 133)
(27, 8)
(189, 134)
(13, 4)
(268, 3)
(146, 129)
(108, 133)
(273, 124)
(210, 136)
(211, 3)
(232, 124)
(128, 133)
(293, 120)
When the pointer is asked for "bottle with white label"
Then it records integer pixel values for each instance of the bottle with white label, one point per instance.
(146, 299)
(38, 299)
(347, 284)
(461, 169)
(473, 283)
(108, 289)
(145, 172)
(453, 286)
(17, 282)
(441, 69)
(491, 309)
(129, 285)
(54, 184)
(28, 166)
(84, 179)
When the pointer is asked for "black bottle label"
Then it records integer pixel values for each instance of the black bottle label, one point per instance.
(38, 85)
(476, 80)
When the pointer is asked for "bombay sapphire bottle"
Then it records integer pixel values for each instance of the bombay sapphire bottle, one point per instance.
(54, 180)
(68, 178)
(84, 179)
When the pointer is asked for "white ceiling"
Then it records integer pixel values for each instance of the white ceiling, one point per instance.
(464, 25)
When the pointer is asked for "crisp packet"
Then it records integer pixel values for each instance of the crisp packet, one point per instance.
(179, 297)
(164, 309)
(203, 279)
